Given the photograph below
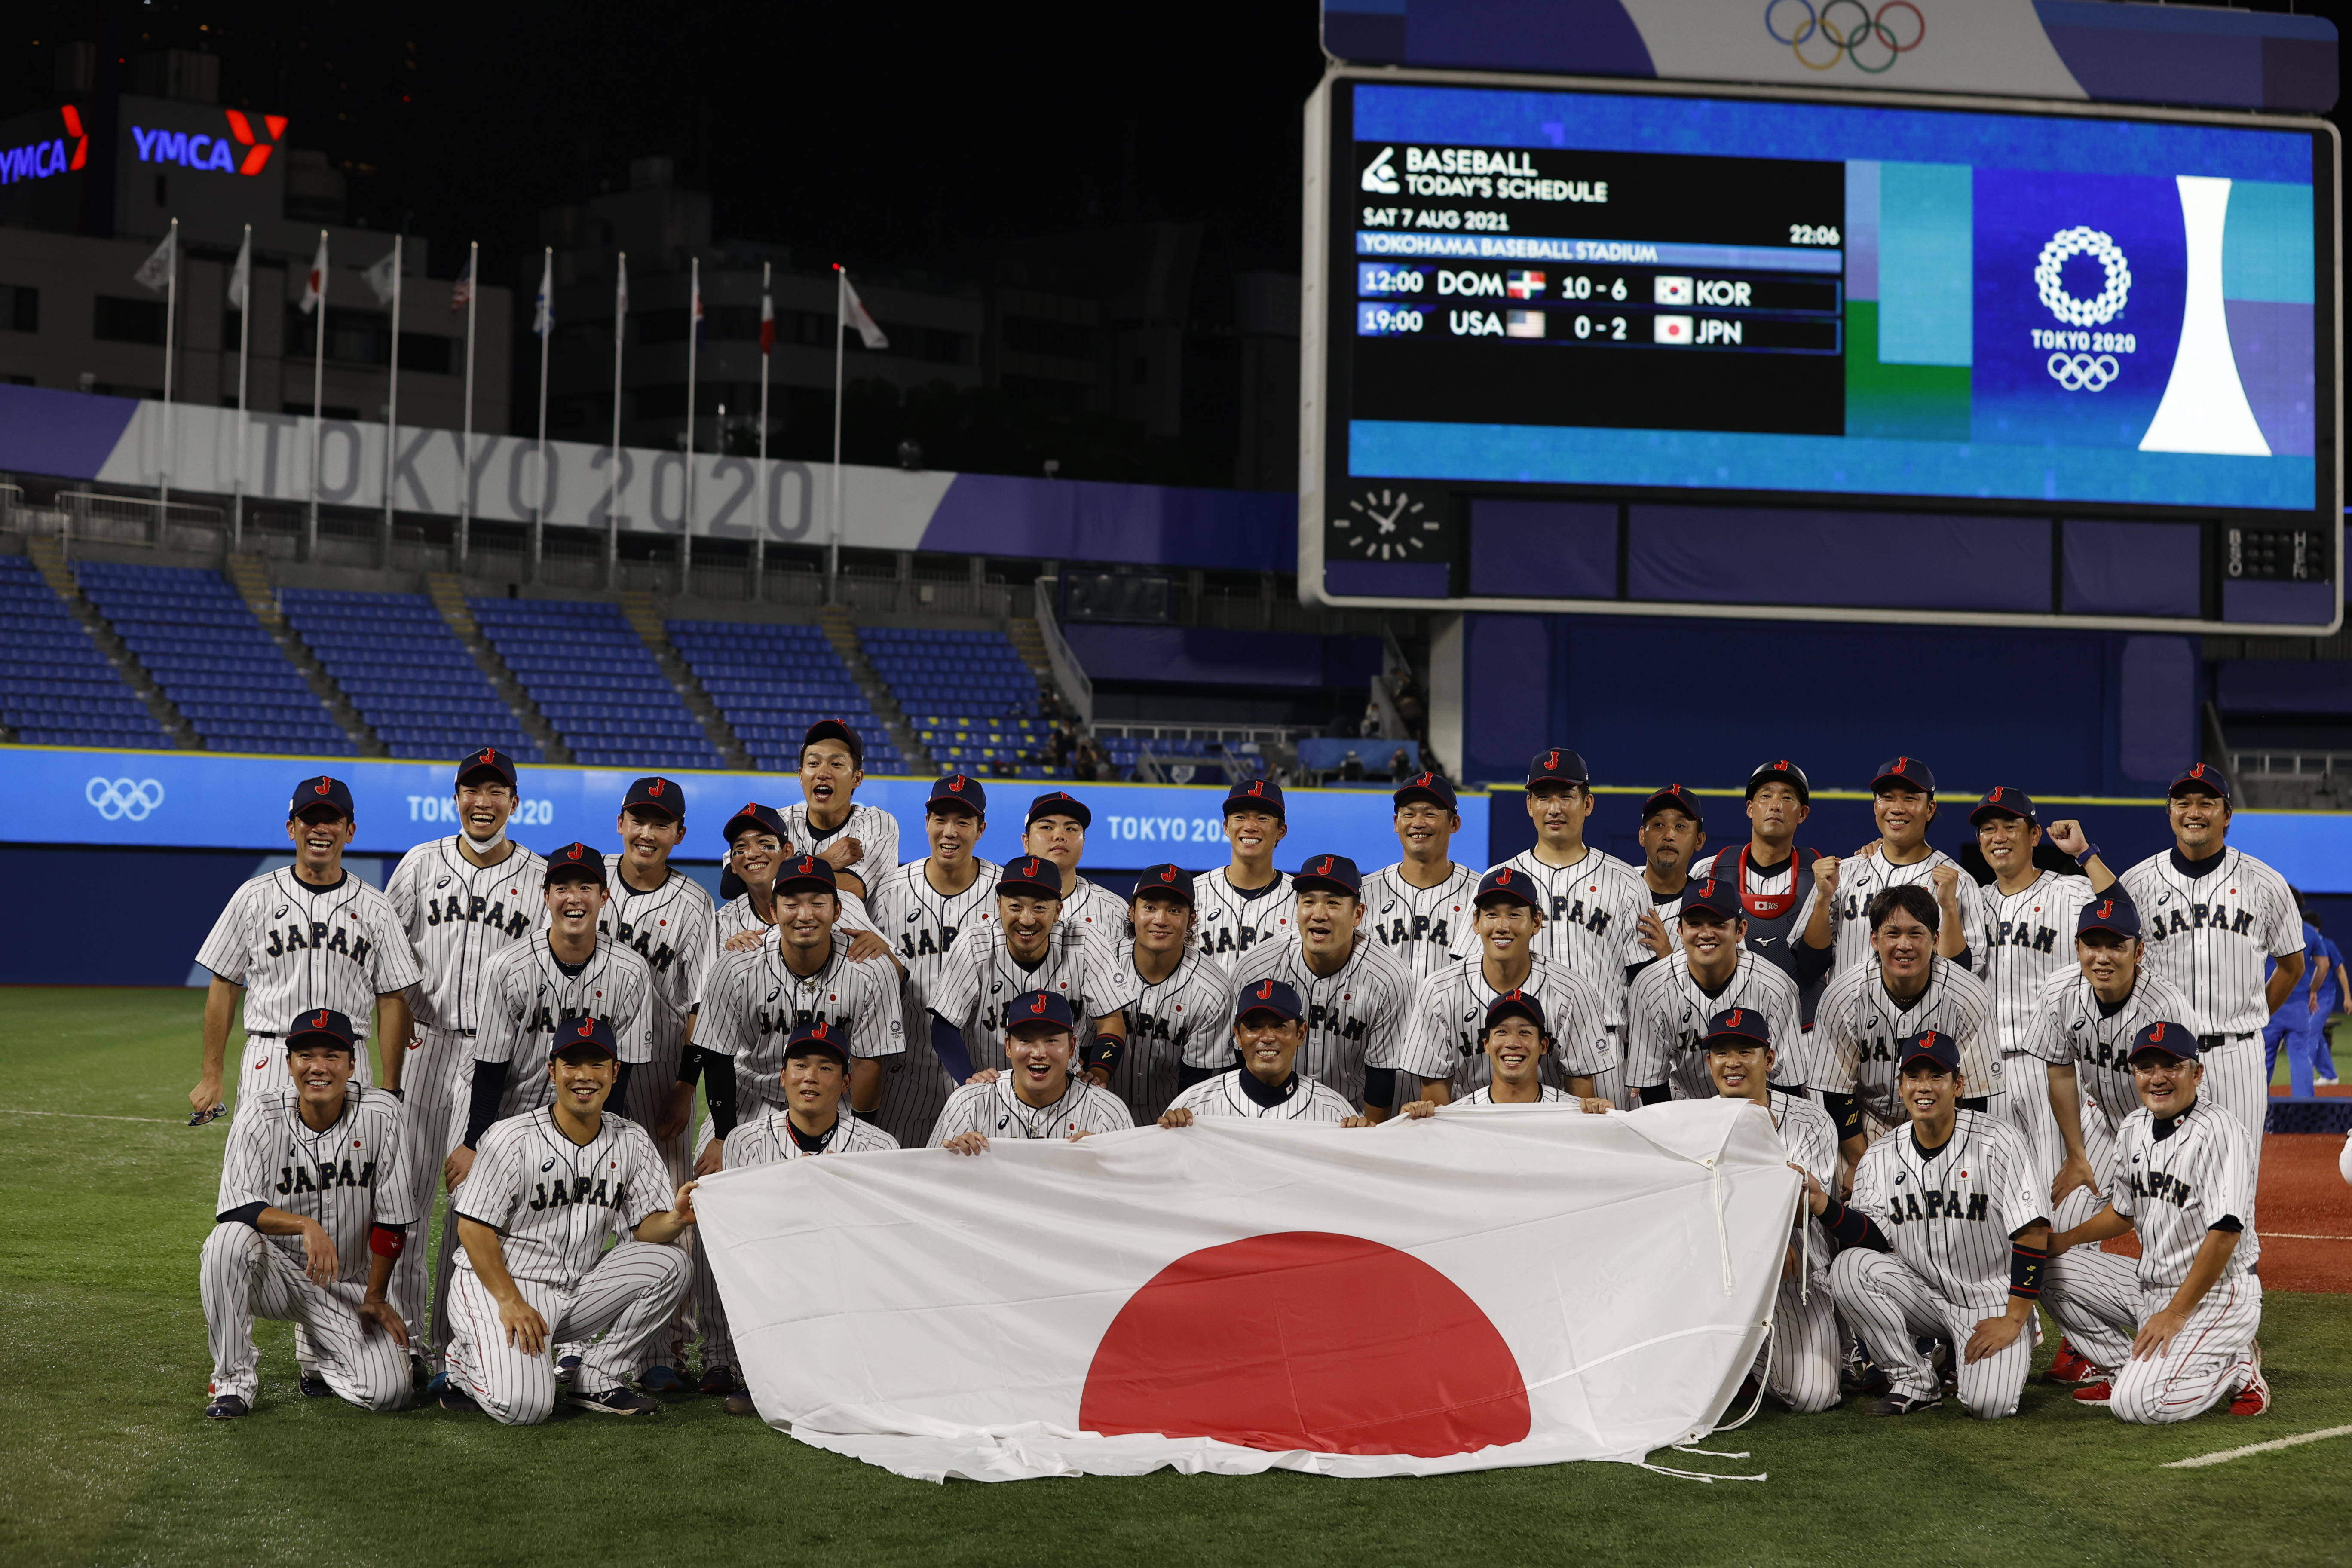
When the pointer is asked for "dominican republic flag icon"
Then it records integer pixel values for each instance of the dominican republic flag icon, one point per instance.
(1673, 329)
(1670, 291)
(1523, 323)
(1524, 285)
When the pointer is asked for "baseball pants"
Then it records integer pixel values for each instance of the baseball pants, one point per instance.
(2237, 1080)
(2098, 1147)
(1609, 1083)
(246, 1276)
(434, 1076)
(614, 1315)
(1806, 1347)
(648, 1094)
(2025, 1080)
(1888, 1304)
(2099, 1303)
(914, 1086)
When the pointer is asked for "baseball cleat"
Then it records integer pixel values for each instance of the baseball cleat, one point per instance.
(198, 1118)
(437, 1383)
(741, 1404)
(227, 1407)
(456, 1398)
(2099, 1393)
(315, 1387)
(2254, 1397)
(565, 1366)
(1902, 1404)
(719, 1380)
(662, 1380)
(615, 1402)
(2070, 1365)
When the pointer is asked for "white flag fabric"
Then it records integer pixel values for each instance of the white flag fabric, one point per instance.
(1484, 1287)
(314, 286)
(240, 277)
(854, 311)
(155, 272)
(542, 320)
(380, 277)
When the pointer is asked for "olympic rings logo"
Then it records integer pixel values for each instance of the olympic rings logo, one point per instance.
(2048, 277)
(2081, 373)
(1871, 42)
(118, 798)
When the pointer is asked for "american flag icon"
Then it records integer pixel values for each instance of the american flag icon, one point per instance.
(1670, 291)
(1673, 329)
(1524, 285)
(1523, 323)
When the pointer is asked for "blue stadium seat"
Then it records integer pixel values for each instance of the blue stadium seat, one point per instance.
(57, 689)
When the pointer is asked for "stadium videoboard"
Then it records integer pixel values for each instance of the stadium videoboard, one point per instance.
(1550, 330)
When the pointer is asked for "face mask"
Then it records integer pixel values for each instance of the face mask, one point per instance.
(484, 846)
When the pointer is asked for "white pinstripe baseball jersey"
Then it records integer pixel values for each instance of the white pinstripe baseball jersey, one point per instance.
(1951, 1213)
(875, 830)
(458, 917)
(2026, 936)
(979, 977)
(765, 1139)
(1229, 925)
(1591, 912)
(2175, 1187)
(1439, 1037)
(1810, 1139)
(1355, 1015)
(1424, 929)
(344, 1177)
(1224, 1095)
(527, 991)
(1096, 912)
(1668, 1014)
(294, 947)
(920, 924)
(1859, 1025)
(2070, 1025)
(2209, 934)
(995, 1109)
(1861, 879)
(554, 1202)
(674, 929)
(1184, 1021)
(1486, 1097)
(736, 915)
(755, 1000)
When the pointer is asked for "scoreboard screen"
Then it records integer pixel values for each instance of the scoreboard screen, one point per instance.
(1629, 298)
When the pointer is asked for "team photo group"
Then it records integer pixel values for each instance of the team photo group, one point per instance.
(1978, 1081)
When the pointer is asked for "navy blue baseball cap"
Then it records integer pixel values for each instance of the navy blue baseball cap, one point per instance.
(577, 859)
(582, 1034)
(1060, 802)
(2165, 1039)
(835, 730)
(1557, 766)
(2002, 801)
(2204, 776)
(317, 792)
(1929, 1046)
(1781, 771)
(751, 814)
(1427, 787)
(1268, 996)
(1910, 773)
(323, 1024)
(818, 1035)
(958, 790)
(488, 757)
(1168, 881)
(1679, 799)
(807, 871)
(1332, 873)
(1515, 1004)
(1257, 795)
(1034, 1007)
(1739, 1024)
(2114, 913)
(1715, 897)
(656, 793)
(1509, 882)
(1032, 875)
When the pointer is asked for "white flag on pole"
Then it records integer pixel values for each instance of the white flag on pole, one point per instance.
(542, 320)
(380, 277)
(314, 286)
(860, 318)
(240, 277)
(155, 272)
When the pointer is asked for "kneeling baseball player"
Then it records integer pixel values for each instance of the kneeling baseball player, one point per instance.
(1515, 1039)
(1036, 1096)
(2172, 1335)
(312, 1211)
(548, 1189)
(1268, 1034)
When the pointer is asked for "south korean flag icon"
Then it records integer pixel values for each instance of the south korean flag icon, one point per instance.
(1673, 330)
(1670, 291)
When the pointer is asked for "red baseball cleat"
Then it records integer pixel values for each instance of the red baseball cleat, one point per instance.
(2099, 1393)
(2070, 1365)
(2253, 1398)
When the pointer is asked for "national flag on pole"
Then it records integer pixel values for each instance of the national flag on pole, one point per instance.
(240, 277)
(542, 320)
(314, 286)
(380, 278)
(855, 313)
(155, 272)
(767, 323)
(695, 317)
(462, 294)
(620, 296)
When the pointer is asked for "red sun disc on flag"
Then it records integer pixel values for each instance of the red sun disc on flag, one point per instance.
(1306, 1340)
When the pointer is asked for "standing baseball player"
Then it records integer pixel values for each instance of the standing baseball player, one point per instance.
(1419, 909)
(1774, 878)
(1906, 989)
(2174, 1335)
(553, 1186)
(1178, 1001)
(862, 841)
(1805, 1350)
(310, 1215)
(463, 900)
(1024, 950)
(1355, 992)
(304, 936)
(1592, 902)
(1268, 1034)
(1038, 1096)
(921, 908)
(1947, 1235)
(1247, 902)
(2209, 914)
(1056, 831)
(1903, 803)
(1673, 835)
(1669, 1016)
(758, 840)
(1441, 1054)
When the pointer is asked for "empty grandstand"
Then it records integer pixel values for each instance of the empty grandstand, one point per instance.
(591, 677)
(56, 687)
(973, 703)
(771, 682)
(213, 658)
(405, 672)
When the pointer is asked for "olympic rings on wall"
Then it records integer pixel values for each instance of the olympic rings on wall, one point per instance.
(2082, 373)
(1824, 36)
(118, 798)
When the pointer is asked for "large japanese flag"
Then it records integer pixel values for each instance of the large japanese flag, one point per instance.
(1512, 1285)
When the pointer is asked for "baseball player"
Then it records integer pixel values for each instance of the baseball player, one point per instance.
(1027, 949)
(1248, 901)
(1355, 992)
(810, 1119)
(1592, 902)
(1419, 909)
(922, 906)
(1906, 989)
(1946, 1236)
(463, 900)
(312, 1213)
(1176, 1000)
(1774, 877)
(759, 839)
(1801, 1359)
(1038, 1097)
(2209, 914)
(1673, 834)
(553, 1185)
(1668, 1016)
(2174, 1333)
(862, 841)
(1903, 803)
(306, 935)
(1056, 830)
(1514, 1039)
(1441, 1053)
(1268, 1034)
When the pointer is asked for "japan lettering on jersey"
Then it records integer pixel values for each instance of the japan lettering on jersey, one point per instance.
(2176, 1188)
(1591, 910)
(756, 1001)
(981, 978)
(1354, 1014)
(2070, 1025)
(921, 923)
(458, 917)
(1424, 929)
(876, 830)
(1862, 877)
(1447, 1013)
(996, 1111)
(527, 992)
(556, 1204)
(1229, 924)
(1860, 1025)
(1185, 1020)
(1951, 1212)
(675, 929)
(1669, 1013)
(766, 1139)
(2210, 934)
(1225, 1096)
(294, 946)
(345, 1177)
(2026, 935)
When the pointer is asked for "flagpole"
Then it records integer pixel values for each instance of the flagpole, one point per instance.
(392, 405)
(833, 544)
(546, 331)
(693, 342)
(170, 322)
(767, 481)
(244, 346)
(465, 442)
(318, 404)
(613, 474)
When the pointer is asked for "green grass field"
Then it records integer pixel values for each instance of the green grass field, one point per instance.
(108, 1457)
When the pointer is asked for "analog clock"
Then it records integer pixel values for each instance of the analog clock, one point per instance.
(1389, 522)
